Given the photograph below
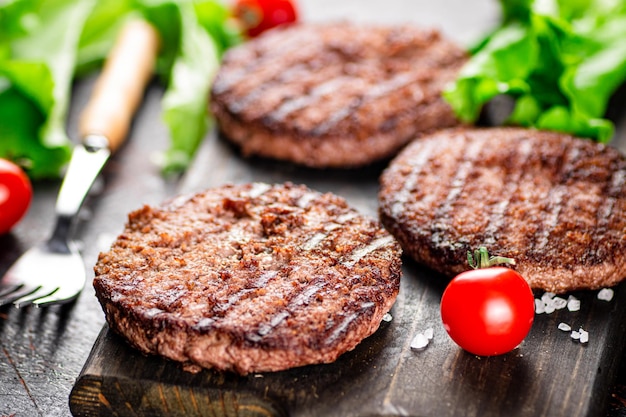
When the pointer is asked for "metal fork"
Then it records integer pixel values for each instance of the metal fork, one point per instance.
(54, 272)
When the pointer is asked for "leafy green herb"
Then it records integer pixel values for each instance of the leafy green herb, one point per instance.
(203, 35)
(561, 60)
(185, 103)
(36, 69)
(41, 54)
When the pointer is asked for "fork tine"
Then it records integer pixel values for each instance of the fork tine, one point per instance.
(20, 291)
(29, 298)
(8, 289)
(57, 297)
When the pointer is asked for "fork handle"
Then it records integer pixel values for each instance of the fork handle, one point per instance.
(105, 122)
(121, 85)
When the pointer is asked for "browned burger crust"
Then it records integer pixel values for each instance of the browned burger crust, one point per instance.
(334, 95)
(249, 278)
(554, 203)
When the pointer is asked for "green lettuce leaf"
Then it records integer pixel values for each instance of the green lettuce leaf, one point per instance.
(194, 44)
(185, 104)
(36, 71)
(41, 54)
(560, 60)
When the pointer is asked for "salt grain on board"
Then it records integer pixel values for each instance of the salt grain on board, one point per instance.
(605, 294)
(573, 303)
(549, 303)
(540, 307)
(419, 342)
(581, 335)
(584, 336)
(565, 327)
(429, 333)
(559, 303)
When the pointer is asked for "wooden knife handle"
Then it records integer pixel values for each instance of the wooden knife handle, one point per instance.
(121, 85)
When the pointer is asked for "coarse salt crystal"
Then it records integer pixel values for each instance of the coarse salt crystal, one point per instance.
(549, 303)
(387, 318)
(575, 335)
(605, 294)
(547, 296)
(419, 342)
(584, 335)
(540, 306)
(565, 327)
(429, 333)
(573, 303)
(559, 303)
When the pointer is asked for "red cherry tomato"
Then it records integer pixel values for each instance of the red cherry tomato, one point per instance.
(257, 16)
(488, 311)
(15, 195)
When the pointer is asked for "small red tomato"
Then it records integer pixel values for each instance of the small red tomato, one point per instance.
(15, 195)
(488, 311)
(257, 16)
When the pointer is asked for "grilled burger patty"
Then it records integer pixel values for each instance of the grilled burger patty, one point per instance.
(334, 95)
(249, 278)
(554, 203)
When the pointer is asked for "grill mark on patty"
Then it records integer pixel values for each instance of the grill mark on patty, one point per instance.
(605, 212)
(618, 180)
(230, 305)
(333, 120)
(555, 200)
(342, 327)
(404, 195)
(378, 91)
(303, 296)
(442, 220)
(312, 97)
(258, 93)
(299, 298)
(291, 57)
(306, 199)
(497, 217)
(360, 252)
(551, 218)
(258, 189)
(295, 300)
(320, 236)
(315, 240)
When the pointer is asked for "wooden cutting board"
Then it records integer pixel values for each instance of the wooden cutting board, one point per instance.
(550, 374)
